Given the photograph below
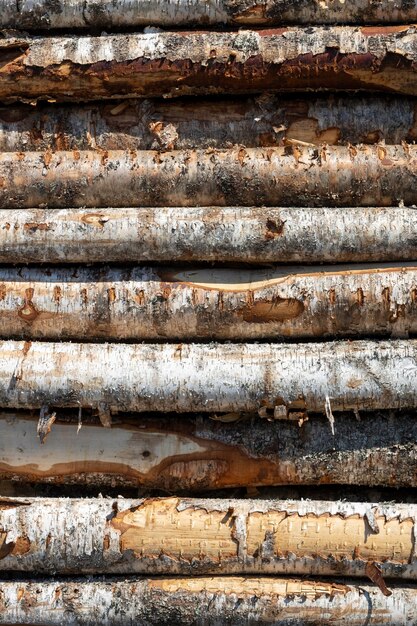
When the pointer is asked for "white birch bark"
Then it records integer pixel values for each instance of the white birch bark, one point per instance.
(201, 537)
(164, 303)
(70, 14)
(231, 234)
(302, 176)
(201, 601)
(184, 63)
(183, 124)
(317, 377)
(196, 454)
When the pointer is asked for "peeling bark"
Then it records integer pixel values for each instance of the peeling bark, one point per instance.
(265, 121)
(198, 537)
(210, 378)
(154, 303)
(194, 454)
(232, 600)
(294, 176)
(232, 234)
(94, 14)
(183, 63)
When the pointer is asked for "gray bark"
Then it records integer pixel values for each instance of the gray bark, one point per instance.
(301, 176)
(317, 377)
(164, 303)
(264, 121)
(193, 454)
(232, 234)
(185, 63)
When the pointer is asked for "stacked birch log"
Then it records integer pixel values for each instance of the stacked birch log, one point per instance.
(208, 242)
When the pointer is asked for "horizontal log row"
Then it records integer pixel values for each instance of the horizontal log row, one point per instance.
(232, 600)
(184, 63)
(93, 14)
(154, 303)
(207, 123)
(317, 377)
(197, 537)
(231, 234)
(194, 454)
(294, 176)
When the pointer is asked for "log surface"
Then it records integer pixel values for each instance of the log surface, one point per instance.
(197, 537)
(231, 234)
(95, 14)
(185, 63)
(165, 303)
(195, 454)
(183, 123)
(298, 176)
(232, 600)
(318, 377)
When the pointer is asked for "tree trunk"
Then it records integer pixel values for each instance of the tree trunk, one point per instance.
(232, 234)
(185, 63)
(193, 454)
(298, 176)
(71, 14)
(317, 377)
(198, 537)
(201, 601)
(154, 303)
(265, 121)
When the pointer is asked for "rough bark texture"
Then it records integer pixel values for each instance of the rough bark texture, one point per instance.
(293, 176)
(232, 234)
(95, 14)
(195, 454)
(214, 377)
(201, 601)
(264, 121)
(197, 537)
(182, 63)
(164, 303)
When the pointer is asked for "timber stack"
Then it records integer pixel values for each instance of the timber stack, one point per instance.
(208, 312)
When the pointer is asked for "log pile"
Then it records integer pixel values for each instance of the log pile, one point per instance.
(208, 295)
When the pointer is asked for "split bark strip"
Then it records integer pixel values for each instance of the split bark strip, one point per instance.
(264, 121)
(194, 454)
(163, 303)
(198, 601)
(42, 15)
(201, 537)
(186, 63)
(210, 378)
(232, 234)
(294, 176)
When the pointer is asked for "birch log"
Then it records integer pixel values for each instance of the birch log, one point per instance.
(212, 377)
(298, 176)
(94, 14)
(164, 303)
(194, 454)
(199, 601)
(200, 537)
(183, 123)
(232, 234)
(185, 63)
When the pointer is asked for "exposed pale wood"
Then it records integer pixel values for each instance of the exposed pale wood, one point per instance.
(219, 600)
(186, 123)
(194, 454)
(202, 62)
(318, 377)
(164, 303)
(232, 234)
(174, 536)
(93, 14)
(294, 176)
